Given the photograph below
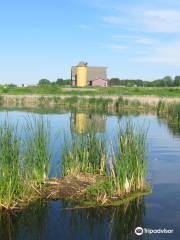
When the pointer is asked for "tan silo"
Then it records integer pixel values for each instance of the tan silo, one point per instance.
(81, 71)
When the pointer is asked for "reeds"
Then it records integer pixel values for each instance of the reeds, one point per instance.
(11, 183)
(87, 154)
(170, 111)
(128, 169)
(25, 157)
(36, 150)
(122, 172)
(23, 161)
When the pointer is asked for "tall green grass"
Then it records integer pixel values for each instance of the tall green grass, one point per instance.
(123, 171)
(12, 185)
(23, 161)
(169, 111)
(36, 151)
(129, 159)
(25, 157)
(87, 154)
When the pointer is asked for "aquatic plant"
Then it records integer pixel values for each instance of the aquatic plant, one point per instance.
(160, 107)
(36, 149)
(24, 160)
(128, 169)
(25, 157)
(122, 172)
(12, 185)
(169, 111)
(87, 154)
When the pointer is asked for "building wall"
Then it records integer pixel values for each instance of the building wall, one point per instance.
(93, 73)
(97, 72)
(99, 82)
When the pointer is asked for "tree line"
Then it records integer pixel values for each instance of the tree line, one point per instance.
(59, 81)
(167, 81)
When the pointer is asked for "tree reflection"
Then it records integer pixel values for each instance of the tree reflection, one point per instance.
(58, 220)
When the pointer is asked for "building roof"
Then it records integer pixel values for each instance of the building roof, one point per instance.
(93, 72)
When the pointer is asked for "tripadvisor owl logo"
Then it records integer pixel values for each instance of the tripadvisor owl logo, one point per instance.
(139, 231)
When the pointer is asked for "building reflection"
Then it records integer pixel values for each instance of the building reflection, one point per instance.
(81, 122)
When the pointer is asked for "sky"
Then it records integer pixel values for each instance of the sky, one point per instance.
(44, 38)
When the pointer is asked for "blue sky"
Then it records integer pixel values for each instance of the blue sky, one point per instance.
(133, 38)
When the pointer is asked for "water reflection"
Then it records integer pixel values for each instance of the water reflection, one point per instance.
(57, 220)
(31, 223)
(173, 127)
(80, 122)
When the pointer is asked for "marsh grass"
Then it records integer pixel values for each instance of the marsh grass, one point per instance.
(170, 111)
(36, 151)
(117, 174)
(12, 185)
(24, 160)
(25, 156)
(87, 154)
(128, 170)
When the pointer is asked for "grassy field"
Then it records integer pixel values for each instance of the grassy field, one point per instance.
(109, 91)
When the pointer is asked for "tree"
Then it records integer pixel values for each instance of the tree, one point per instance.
(168, 81)
(164, 82)
(177, 81)
(114, 81)
(60, 81)
(44, 81)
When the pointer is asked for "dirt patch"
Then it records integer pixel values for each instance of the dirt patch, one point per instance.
(74, 188)
(69, 187)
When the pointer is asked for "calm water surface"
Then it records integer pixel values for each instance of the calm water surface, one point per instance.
(55, 220)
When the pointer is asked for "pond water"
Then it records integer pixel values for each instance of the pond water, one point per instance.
(57, 220)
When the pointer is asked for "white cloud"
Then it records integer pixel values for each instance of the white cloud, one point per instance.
(168, 54)
(162, 20)
(163, 14)
(136, 39)
(167, 21)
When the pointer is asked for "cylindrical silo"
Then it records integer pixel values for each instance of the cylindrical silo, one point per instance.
(81, 71)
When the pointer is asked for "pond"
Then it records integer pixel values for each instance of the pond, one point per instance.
(58, 220)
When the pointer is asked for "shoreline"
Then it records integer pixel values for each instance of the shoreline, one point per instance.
(55, 99)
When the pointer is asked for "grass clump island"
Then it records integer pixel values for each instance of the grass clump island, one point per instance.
(93, 170)
(113, 172)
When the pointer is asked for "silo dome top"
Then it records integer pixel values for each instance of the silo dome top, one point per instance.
(82, 64)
